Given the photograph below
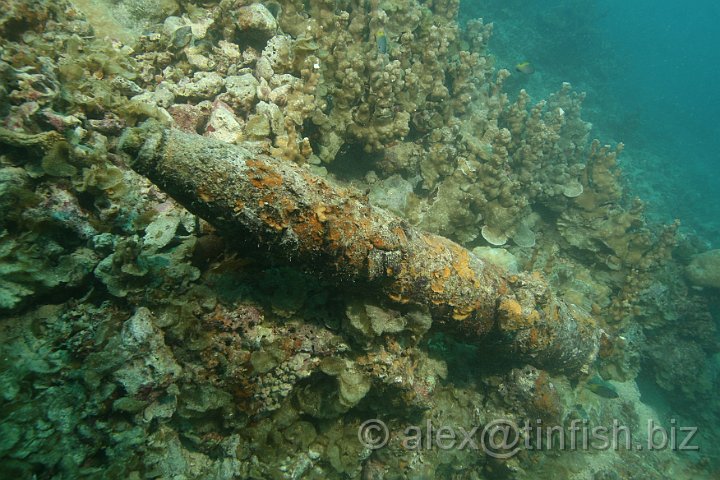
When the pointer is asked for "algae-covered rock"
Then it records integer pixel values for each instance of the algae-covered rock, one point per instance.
(134, 265)
(12, 293)
(15, 192)
(106, 178)
(393, 193)
(258, 126)
(33, 264)
(704, 269)
(256, 18)
(263, 361)
(319, 399)
(202, 85)
(372, 321)
(199, 399)
(125, 20)
(353, 387)
(336, 390)
(240, 91)
(161, 230)
(344, 452)
(152, 363)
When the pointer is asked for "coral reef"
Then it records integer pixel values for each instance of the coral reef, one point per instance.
(139, 342)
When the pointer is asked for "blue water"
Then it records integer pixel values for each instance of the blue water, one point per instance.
(651, 69)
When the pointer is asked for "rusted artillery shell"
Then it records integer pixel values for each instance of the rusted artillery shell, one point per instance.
(334, 232)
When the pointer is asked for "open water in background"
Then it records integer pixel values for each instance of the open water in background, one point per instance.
(651, 69)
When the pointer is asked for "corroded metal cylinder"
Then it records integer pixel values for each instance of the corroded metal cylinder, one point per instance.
(334, 232)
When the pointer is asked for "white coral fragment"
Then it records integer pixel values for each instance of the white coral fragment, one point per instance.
(493, 237)
(573, 189)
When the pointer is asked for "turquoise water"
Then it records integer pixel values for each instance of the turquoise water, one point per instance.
(287, 239)
(651, 70)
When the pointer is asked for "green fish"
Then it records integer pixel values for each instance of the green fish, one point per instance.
(579, 413)
(600, 387)
(382, 41)
(525, 67)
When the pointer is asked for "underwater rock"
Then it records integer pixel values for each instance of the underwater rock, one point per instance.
(162, 96)
(240, 91)
(274, 116)
(704, 269)
(223, 125)
(392, 193)
(203, 85)
(15, 191)
(256, 18)
(333, 392)
(161, 231)
(190, 118)
(152, 363)
(278, 53)
(534, 391)
(257, 126)
(179, 32)
(35, 263)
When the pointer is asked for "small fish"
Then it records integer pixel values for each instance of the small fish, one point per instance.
(381, 40)
(581, 412)
(600, 387)
(525, 67)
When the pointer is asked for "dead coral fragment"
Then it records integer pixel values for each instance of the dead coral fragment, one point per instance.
(573, 189)
(523, 236)
(21, 139)
(493, 237)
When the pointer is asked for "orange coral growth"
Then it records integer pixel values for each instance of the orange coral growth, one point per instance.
(268, 220)
(204, 195)
(461, 313)
(511, 308)
(320, 210)
(262, 176)
(437, 286)
(462, 264)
